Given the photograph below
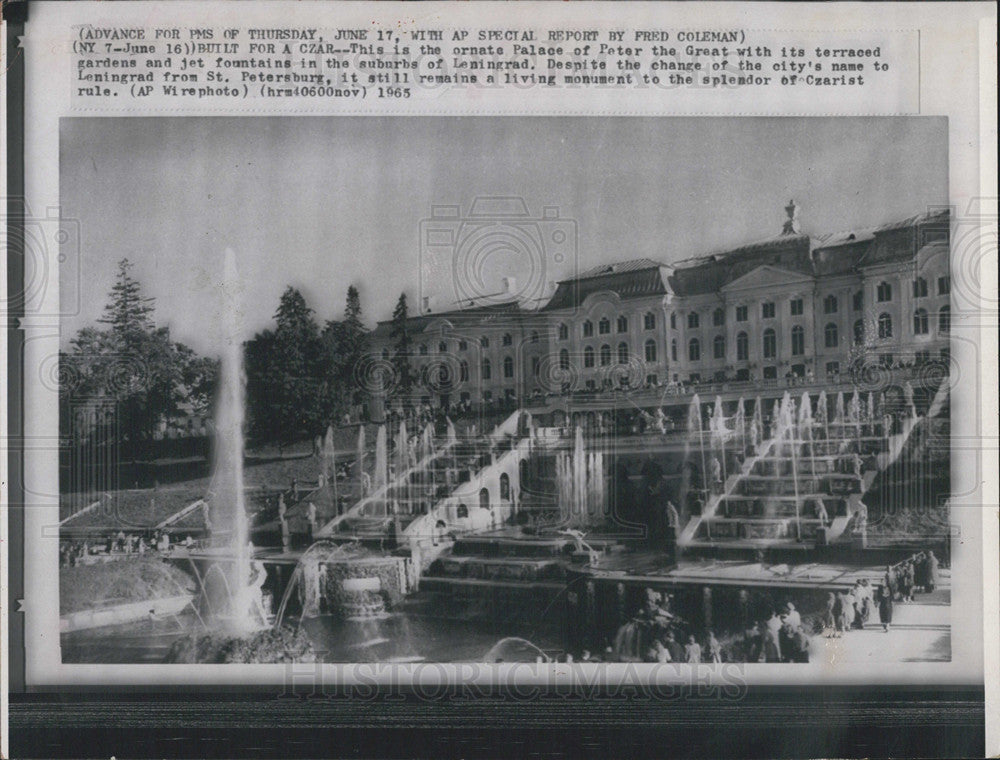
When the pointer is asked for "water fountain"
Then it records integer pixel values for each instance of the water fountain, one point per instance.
(515, 649)
(228, 509)
(580, 485)
(381, 458)
(360, 462)
(345, 593)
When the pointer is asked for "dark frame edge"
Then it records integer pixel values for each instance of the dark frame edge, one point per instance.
(15, 15)
(856, 721)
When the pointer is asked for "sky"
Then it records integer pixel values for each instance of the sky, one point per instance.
(321, 203)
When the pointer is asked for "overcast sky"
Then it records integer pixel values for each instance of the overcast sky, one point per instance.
(321, 203)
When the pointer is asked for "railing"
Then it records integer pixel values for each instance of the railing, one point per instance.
(706, 388)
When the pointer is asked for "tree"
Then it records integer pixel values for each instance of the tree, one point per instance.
(354, 336)
(399, 331)
(128, 312)
(345, 343)
(134, 363)
(291, 388)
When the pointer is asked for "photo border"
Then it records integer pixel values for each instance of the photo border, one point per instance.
(808, 721)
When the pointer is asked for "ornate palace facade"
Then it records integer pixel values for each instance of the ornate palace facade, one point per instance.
(792, 306)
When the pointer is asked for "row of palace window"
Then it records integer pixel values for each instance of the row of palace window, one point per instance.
(506, 340)
(831, 337)
(831, 304)
(604, 326)
(604, 354)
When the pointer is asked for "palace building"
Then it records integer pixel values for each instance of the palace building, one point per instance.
(793, 306)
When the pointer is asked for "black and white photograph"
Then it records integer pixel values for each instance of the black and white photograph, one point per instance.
(481, 389)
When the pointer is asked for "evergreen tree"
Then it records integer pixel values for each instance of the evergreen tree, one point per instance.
(345, 343)
(291, 384)
(128, 312)
(399, 331)
(133, 362)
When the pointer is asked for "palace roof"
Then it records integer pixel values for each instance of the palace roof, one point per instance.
(472, 315)
(635, 278)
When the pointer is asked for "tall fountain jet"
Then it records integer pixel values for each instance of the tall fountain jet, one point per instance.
(230, 525)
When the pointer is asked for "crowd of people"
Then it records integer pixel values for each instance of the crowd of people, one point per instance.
(780, 637)
(72, 553)
(853, 608)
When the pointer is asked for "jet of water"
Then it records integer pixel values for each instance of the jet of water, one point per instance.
(229, 519)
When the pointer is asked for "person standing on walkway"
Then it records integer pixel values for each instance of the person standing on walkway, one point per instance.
(932, 571)
(884, 598)
(772, 638)
(714, 648)
(692, 651)
(889, 581)
(908, 580)
(800, 645)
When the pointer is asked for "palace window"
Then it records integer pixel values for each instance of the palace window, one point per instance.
(830, 304)
(797, 307)
(693, 320)
(508, 367)
(536, 366)
(463, 371)
(507, 339)
(719, 347)
(588, 357)
(604, 326)
(920, 322)
(442, 347)
(463, 345)
(742, 347)
(770, 343)
(798, 340)
(831, 336)
(884, 292)
(623, 353)
(859, 332)
(767, 310)
(673, 321)
(742, 313)
(534, 336)
(563, 359)
(884, 325)
(588, 329)
(833, 368)
(673, 350)
(563, 331)
(920, 288)
(605, 355)
(718, 318)
(650, 349)
(622, 323)
(944, 319)
(694, 350)
(944, 285)
(858, 300)
(484, 342)
(649, 321)
(487, 369)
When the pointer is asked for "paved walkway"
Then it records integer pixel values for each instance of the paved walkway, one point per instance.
(919, 633)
